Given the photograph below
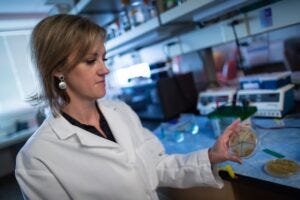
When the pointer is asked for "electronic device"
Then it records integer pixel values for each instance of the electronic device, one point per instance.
(209, 100)
(269, 102)
(265, 81)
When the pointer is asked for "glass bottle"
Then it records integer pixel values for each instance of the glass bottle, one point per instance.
(137, 14)
(124, 21)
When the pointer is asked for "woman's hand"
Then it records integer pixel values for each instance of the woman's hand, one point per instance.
(220, 150)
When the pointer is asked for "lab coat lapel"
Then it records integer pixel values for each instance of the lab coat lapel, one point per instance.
(64, 130)
(119, 128)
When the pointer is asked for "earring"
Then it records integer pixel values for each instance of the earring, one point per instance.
(62, 84)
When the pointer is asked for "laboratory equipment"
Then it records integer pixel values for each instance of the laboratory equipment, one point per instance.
(209, 100)
(269, 102)
(265, 81)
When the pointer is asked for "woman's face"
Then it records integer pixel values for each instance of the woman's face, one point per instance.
(86, 81)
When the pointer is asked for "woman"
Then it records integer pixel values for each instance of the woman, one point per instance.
(97, 150)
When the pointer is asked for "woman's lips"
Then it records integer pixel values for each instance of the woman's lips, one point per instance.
(101, 82)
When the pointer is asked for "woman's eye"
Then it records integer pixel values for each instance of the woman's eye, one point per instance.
(104, 59)
(90, 62)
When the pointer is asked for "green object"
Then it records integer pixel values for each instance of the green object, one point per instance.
(242, 112)
(273, 153)
(223, 116)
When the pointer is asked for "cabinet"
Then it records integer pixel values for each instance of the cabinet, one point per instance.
(180, 19)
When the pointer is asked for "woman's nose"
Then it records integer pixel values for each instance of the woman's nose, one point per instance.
(106, 70)
(102, 69)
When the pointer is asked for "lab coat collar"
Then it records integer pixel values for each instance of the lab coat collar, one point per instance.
(64, 130)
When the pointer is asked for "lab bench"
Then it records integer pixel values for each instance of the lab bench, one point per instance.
(276, 137)
(16, 137)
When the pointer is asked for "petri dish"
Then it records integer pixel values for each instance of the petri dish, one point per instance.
(244, 143)
(281, 167)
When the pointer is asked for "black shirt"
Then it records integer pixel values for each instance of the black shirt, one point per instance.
(103, 124)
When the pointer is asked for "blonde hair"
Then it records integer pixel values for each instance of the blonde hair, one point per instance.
(53, 40)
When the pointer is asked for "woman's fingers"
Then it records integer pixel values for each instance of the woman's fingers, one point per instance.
(235, 158)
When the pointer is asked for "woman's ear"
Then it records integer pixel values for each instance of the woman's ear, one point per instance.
(57, 74)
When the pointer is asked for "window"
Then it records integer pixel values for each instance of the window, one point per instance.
(17, 76)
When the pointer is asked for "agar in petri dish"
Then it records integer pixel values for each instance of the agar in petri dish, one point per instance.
(244, 143)
(281, 167)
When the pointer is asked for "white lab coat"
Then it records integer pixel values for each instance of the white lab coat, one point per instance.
(62, 161)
